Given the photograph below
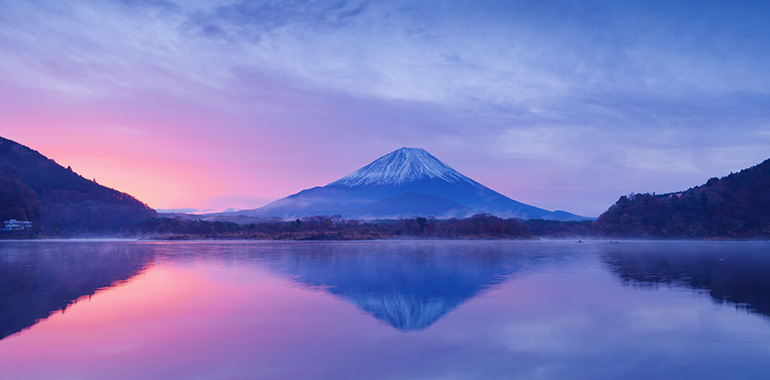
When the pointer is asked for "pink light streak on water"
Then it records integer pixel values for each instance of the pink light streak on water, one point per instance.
(181, 323)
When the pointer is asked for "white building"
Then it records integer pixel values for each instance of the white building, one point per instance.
(17, 225)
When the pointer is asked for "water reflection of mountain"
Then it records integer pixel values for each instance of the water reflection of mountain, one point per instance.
(407, 285)
(39, 278)
(733, 272)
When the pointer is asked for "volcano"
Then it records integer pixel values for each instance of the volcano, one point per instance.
(404, 183)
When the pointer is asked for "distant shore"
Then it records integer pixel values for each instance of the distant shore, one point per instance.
(322, 228)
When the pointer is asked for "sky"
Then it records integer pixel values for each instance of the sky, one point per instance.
(209, 105)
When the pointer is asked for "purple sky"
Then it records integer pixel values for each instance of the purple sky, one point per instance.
(223, 104)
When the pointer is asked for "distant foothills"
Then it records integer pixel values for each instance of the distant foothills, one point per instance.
(407, 193)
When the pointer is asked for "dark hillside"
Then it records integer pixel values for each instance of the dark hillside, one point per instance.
(17, 201)
(36, 188)
(735, 206)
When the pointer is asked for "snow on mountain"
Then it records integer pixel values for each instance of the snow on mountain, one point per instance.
(406, 182)
(402, 166)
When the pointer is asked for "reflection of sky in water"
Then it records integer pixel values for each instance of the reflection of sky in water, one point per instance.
(295, 310)
(37, 279)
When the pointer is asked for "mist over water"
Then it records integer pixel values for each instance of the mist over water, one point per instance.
(384, 310)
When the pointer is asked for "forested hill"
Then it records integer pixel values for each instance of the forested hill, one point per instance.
(35, 188)
(735, 206)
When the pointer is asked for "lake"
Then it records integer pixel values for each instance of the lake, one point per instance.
(384, 310)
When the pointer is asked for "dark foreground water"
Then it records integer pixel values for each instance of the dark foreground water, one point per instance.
(384, 310)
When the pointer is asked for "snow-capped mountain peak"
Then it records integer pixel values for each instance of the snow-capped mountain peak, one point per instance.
(402, 184)
(402, 166)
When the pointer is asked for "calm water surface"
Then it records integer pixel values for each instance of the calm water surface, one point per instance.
(384, 310)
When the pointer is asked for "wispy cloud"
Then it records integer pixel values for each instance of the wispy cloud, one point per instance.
(588, 83)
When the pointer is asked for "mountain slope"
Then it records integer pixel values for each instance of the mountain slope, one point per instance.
(736, 206)
(17, 201)
(378, 190)
(56, 198)
(408, 204)
(403, 166)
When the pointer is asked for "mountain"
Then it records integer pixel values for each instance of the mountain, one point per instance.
(34, 187)
(735, 206)
(403, 183)
(17, 201)
(411, 203)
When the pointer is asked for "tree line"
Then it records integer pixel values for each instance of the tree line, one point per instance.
(482, 226)
(734, 207)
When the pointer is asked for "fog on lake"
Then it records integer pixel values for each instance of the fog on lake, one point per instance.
(384, 310)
